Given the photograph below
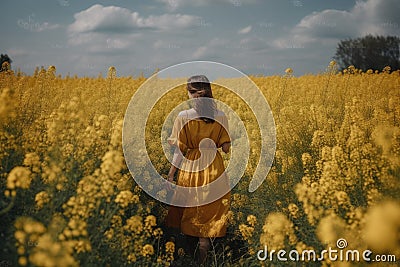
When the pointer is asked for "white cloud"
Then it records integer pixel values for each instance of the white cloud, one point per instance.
(245, 30)
(171, 21)
(113, 19)
(101, 19)
(330, 25)
(175, 4)
(113, 28)
(378, 17)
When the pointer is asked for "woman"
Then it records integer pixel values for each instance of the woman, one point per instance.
(202, 122)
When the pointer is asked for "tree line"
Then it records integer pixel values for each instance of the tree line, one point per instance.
(5, 58)
(369, 52)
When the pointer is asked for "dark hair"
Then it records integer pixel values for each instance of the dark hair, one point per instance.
(204, 105)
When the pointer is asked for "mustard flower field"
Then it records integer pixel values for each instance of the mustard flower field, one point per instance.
(67, 197)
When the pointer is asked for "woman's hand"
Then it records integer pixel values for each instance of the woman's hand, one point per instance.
(171, 184)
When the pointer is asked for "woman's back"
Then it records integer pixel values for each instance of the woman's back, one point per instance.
(197, 133)
(196, 130)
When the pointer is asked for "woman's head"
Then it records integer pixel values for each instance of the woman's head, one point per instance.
(199, 88)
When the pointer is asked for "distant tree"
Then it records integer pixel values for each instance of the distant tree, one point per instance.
(4, 58)
(369, 52)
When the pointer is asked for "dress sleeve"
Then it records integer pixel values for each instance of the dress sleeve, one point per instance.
(178, 135)
(224, 133)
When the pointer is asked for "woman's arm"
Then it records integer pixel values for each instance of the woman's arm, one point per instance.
(171, 173)
(176, 161)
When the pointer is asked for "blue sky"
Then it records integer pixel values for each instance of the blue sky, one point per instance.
(254, 36)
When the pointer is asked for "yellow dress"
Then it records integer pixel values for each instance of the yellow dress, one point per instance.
(208, 220)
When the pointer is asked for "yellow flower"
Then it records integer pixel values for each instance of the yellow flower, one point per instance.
(147, 250)
(252, 220)
(131, 258)
(170, 247)
(109, 233)
(113, 162)
(111, 69)
(386, 69)
(51, 68)
(276, 230)
(382, 227)
(22, 261)
(30, 226)
(293, 209)
(21, 250)
(181, 251)
(112, 72)
(32, 160)
(19, 177)
(158, 232)
(246, 231)
(124, 198)
(134, 224)
(330, 228)
(289, 71)
(20, 236)
(342, 197)
(41, 198)
(150, 221)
